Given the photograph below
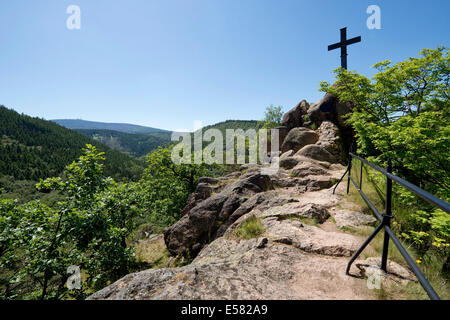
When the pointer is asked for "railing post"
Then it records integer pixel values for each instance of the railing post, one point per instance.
(387, 217)
(361, 176)
(349, 173)
(349, 169)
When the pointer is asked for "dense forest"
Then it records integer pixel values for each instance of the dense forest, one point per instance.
(134, 144)
(33, 149)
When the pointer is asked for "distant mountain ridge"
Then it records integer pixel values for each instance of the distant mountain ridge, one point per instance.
(141, 144)
(94, 125)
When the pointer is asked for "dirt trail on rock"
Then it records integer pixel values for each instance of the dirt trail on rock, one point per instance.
(322, 276)
(297, 260)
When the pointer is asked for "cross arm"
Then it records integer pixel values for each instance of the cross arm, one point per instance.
(352, 41)
(334, 46)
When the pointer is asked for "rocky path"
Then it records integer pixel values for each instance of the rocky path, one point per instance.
(302, 252)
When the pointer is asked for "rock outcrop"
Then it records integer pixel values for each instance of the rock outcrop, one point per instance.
(291, 260)
(315, 152)
(303, 249)
(201, 223)
(297, 138)
(293, 118)
(328, 109)
(330, 140)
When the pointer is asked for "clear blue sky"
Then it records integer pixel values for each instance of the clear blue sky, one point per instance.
(167, 63)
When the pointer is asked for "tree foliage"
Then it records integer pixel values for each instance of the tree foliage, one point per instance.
(403, 114)
(272, 117)
(165, 186)
(87, 229)
(92, 227)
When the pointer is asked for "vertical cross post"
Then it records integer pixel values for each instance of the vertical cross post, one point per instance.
(343, 46)
(387, 217)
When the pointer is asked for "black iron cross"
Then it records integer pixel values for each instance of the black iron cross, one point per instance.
(343, 45)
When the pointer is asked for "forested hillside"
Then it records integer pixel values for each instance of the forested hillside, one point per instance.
(136, 145)
(32, 148)
(141, 144)
(235, 124)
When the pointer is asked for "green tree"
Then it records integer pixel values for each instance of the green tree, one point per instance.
(272, 117)
(165, 186)
(29, 258)
(97, 216)
(403, 114)
(87, 229)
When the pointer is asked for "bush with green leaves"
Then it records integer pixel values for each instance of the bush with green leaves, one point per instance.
(88, 228)
(165, 186)
(26, 236)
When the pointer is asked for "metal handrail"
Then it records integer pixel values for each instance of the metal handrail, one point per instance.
(385, 218)
(420, 192)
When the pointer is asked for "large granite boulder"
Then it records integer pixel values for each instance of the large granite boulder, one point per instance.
(328, 108)
(331, 109)
(205, 187)
(315, 152)
(282, 133)
(293, 118)
(330, 140)
(297, 138)
(289, 162)
(200, 225)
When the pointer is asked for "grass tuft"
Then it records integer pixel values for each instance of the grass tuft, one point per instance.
(252, 228)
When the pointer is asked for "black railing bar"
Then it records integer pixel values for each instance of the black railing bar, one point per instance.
(340, 180)
(363, 246)
(423, 281)
(371, 206)
(421, 193)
